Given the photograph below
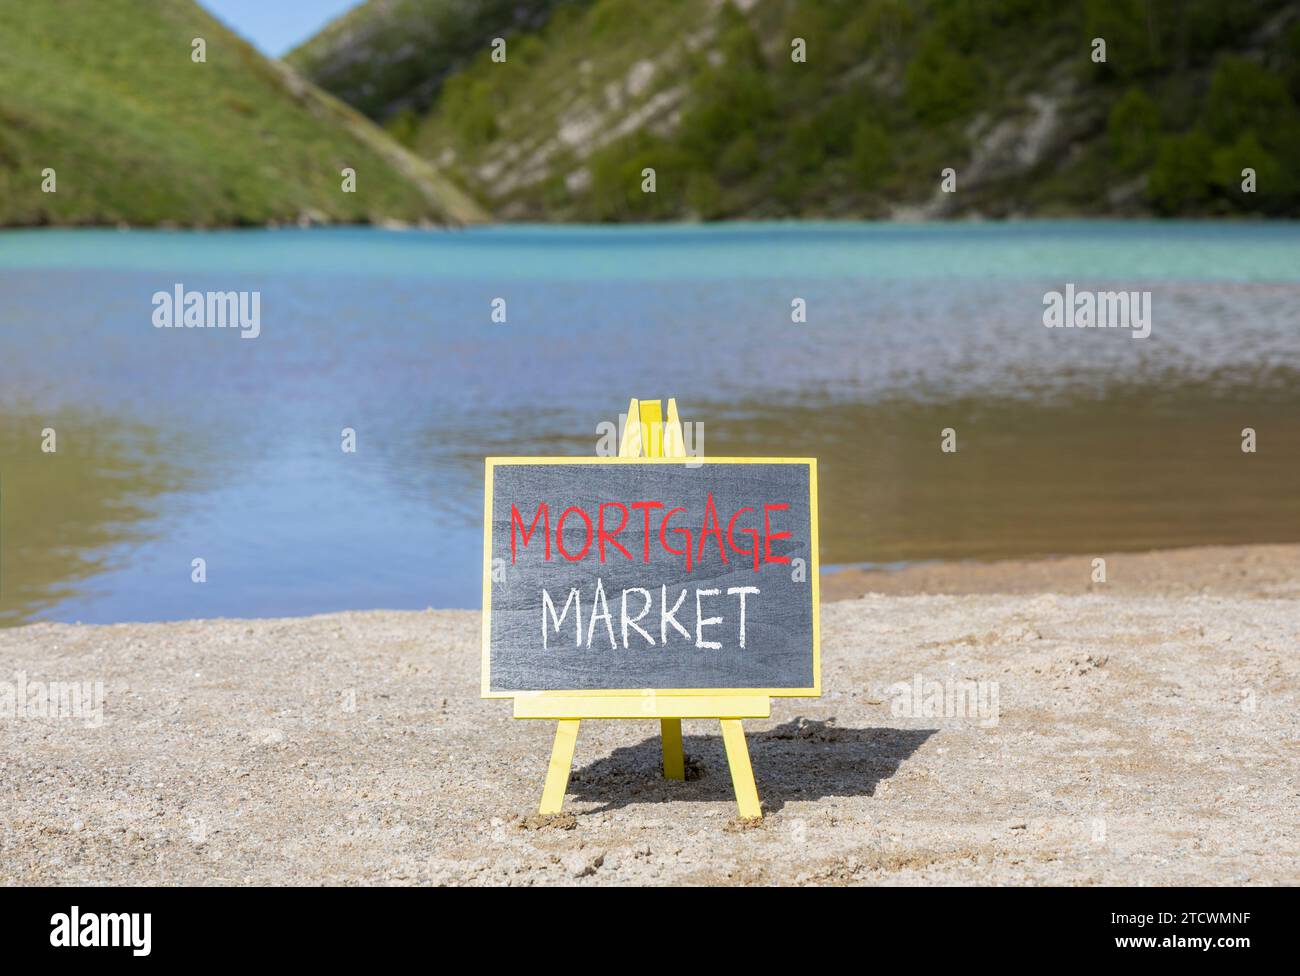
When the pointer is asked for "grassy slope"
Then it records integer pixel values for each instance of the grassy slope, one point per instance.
(106, 94)
(893, 91)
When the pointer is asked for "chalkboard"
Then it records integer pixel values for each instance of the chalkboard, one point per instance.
(670, 574)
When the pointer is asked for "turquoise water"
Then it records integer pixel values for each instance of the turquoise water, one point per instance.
(1196, 250)
(176, 444)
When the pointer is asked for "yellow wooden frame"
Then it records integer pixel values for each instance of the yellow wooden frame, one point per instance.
(661, 443)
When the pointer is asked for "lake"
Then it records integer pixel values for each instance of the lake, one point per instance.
(178, 444)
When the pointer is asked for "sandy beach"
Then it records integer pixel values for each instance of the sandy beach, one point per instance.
(1009, 723)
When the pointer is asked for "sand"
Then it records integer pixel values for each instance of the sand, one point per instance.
(1142, 731)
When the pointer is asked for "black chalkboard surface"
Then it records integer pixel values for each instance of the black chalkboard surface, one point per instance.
(670, 574)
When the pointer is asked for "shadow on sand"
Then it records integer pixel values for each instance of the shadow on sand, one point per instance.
(799, 760)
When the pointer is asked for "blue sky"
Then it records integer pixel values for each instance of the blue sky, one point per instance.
(276, 26)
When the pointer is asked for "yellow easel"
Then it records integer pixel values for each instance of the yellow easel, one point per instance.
(651, 437)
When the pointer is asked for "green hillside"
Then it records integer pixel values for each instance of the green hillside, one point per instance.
(107, 96)
(892, 92)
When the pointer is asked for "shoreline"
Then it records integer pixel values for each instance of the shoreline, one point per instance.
(309, 222)
(1253, 570)
(1135, 734)
(1266, 570)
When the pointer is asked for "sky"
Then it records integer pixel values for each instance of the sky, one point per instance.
(276, 27)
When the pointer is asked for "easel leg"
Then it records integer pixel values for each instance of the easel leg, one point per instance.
(670, 730)
(557, 775)
(742, 774)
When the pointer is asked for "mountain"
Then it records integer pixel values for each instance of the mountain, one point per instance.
(108, 97)
(386, 57)
(851, 108)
